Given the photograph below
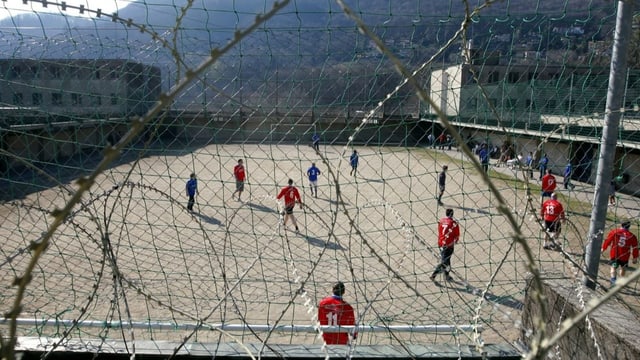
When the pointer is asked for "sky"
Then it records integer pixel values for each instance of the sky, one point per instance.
(10, 8)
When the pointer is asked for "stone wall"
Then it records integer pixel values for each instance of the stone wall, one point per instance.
(614, 327)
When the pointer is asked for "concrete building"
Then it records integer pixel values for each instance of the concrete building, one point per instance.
(558, 110)
(51, 89)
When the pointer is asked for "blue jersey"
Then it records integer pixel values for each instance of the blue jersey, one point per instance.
(192, 186)
(354, 160)
(544, 162)
(315, 138)
(567, 171)
(313, 173)
(484, 156)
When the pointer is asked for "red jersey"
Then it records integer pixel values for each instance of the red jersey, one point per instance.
(548, 183)
(238, 172)
(448, 232)
(552, 210)
(332, 310)
(623, 243)
(291, 196)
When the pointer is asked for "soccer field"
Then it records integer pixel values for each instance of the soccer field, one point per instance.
(133, 254)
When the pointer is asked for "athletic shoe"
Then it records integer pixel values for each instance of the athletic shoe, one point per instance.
(432, 277)
(449, 278)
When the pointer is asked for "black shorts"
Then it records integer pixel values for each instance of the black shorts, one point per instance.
(547, 193)
(553, 226)
(618, 263)
(289, 209)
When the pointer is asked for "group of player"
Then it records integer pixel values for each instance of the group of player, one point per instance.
(623, 243)
(289, 194)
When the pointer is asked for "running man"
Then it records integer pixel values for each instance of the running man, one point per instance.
(442, 180)
(448, 236)
(291, 196)
(313, 173)
(316, 142)
(548, 185)
(192, 190)
(623, 244)
(240, 175)
(353, 160)
(552, 213)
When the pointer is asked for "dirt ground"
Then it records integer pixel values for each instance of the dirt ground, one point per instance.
(133, 254)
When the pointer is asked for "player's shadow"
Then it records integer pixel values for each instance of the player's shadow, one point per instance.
(508, 301)
(322, 243)
(259, 207)
(333, 201)
(472, 210)
(371, 180)
(208, 219)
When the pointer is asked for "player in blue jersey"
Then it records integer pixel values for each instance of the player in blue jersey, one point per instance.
(192, 190)
(353, 160)
(313, 173)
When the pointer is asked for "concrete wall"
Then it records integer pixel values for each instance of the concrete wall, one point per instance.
(614, 326)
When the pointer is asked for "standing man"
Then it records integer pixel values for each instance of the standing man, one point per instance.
(442, 180)
(552, 213)
(484, 158)
(353, 160)
(448, 236)
(566, 181)
(529, 164)
(623, 244)
(334, 311)
(240, 175)
(313, 173)
(543, 164)
(192, 190)
(548, 184)
(291, 197)
(316, 142)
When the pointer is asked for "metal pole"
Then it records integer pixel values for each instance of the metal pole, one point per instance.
(612, 116)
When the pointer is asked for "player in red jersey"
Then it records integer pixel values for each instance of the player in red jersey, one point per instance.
(548, 184)
(334, 311)
(240, 175)
(291, 196)
(552, 213)
(623, 244)
(448, 236)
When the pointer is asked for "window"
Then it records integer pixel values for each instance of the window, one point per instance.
(114, 99)
(56, 72)
(96, 100)
(531, 104)
(76, 99)
(97, 74)
(511, 103)
(514, 77)
(15, 72)
(18, 99)
(36, 99)
(56, 99)
(532, 76)
(550, 105)
(493, 77)
(570, 105)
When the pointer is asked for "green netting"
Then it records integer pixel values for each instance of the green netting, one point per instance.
(105, 112)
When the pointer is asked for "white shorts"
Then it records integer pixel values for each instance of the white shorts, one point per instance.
(313, 183)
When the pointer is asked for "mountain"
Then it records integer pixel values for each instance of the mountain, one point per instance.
(309, 38)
